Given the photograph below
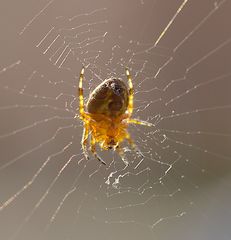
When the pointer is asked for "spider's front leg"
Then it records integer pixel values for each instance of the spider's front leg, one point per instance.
(83, 115)
(80, 93)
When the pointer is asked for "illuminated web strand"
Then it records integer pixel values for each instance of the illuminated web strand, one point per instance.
(84, 25)
(199, 149)
(124, 222)
(139, 190)
(32, 107)
(28, 217)
(170, 22)
(198, 26)
(22, 90)
(198, 86)
(109, 62)
(35, 17)
(84, 32)
(9, 163)
(169, 166)
(52, 219)
(36, 96)
(163, 66)
(57, 50)
(31, 181)
(152, 226)
(170, 59)
(40, 106)
(96, 171)
(154, 196)
(88, 14)
(216, 49)
(195, 132)
(33, 125)
(15, 64)
(99, 39)
(59, 57)
(195, 111)
(51, 44)
(45, 37)
(71, 190)
(163, 176)
(145, 106)
(30, 78)
(64, 59)
(168, 218)
(117, 179)
(138, 204)
(89, 41)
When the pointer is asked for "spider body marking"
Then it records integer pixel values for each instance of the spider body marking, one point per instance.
(109, 109)
(110, 98)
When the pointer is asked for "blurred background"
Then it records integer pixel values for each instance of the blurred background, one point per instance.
(179, 55)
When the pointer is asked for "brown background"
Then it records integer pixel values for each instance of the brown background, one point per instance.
(200, 175)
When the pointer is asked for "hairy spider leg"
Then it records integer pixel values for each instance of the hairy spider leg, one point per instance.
(93, 150)
(141, 122)
(130, 102)
(130, 93)
(83, 115)
(81, 101)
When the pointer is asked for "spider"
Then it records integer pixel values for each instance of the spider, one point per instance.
(109, 111)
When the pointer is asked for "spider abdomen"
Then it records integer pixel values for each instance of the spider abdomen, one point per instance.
(110, 98)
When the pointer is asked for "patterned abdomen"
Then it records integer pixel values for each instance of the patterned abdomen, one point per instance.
(109, 98)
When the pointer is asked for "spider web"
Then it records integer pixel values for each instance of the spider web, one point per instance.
(179, 55)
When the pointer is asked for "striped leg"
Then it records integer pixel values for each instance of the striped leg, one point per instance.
(141, 122)
(130, 102)
(82, 115)
(80, 91)
(131, 92)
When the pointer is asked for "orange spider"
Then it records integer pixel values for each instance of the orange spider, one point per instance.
(109, 111)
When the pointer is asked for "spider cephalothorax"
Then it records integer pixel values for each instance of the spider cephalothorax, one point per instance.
(109, 110)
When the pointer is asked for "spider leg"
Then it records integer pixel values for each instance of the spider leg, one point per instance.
(80, 93)
(140, 122)
(130, 102)
(84, 141)
(130, 93)
(121, 153)
(133, 145)
(93, 150)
